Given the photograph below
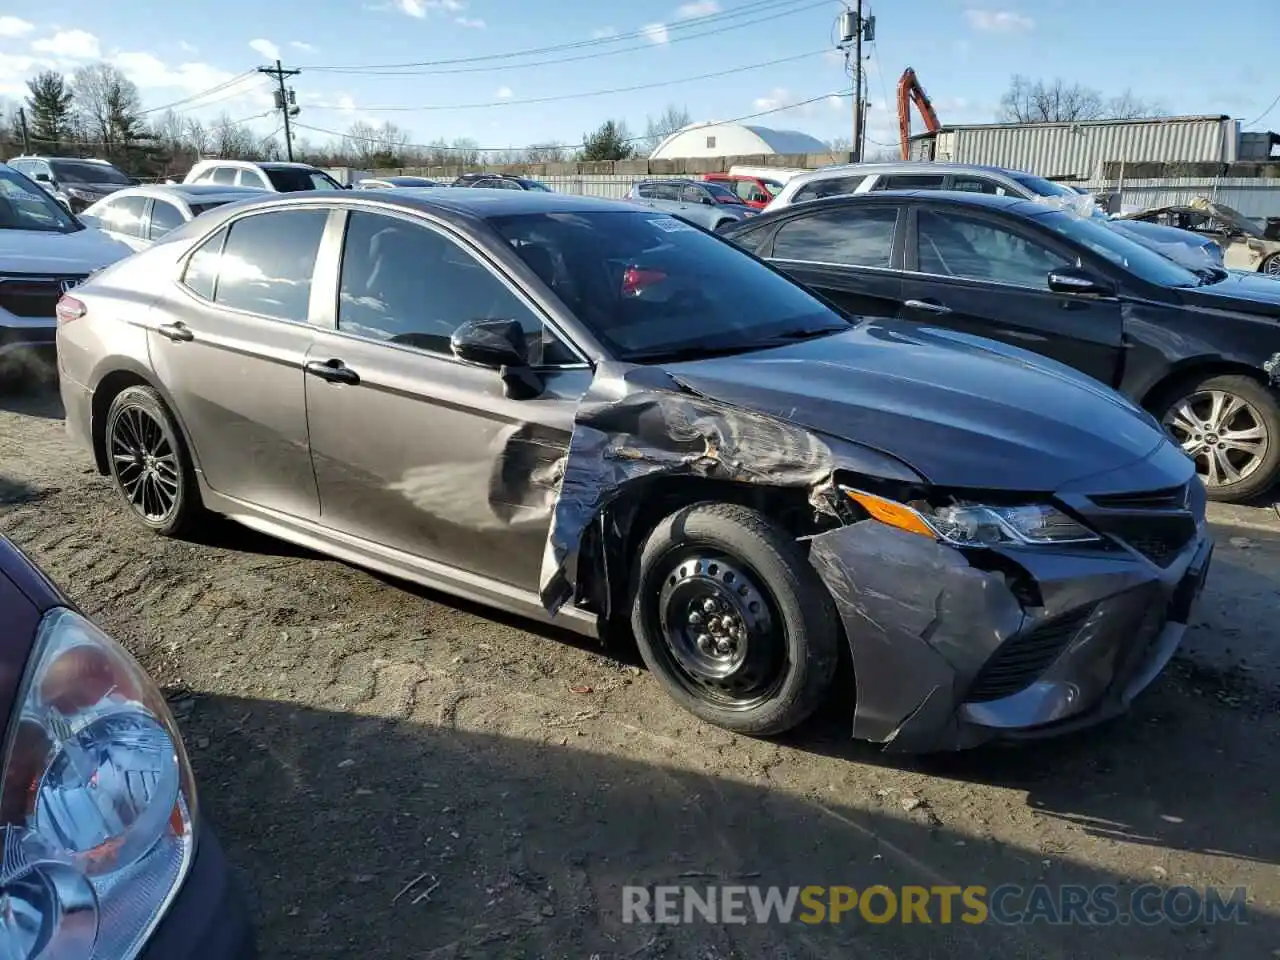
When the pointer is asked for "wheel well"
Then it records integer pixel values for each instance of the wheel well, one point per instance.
(630, 519)
(1197, 370)
(110, 387)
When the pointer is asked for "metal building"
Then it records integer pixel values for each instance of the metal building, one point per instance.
(1077, 150)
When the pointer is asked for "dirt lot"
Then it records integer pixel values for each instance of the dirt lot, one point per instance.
(352, 736)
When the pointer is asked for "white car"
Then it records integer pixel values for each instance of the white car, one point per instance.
(139, 216)
(44, 252)
(276, 176)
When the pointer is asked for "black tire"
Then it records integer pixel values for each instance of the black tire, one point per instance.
(786, 670)
(138, 419)
(1262, 406)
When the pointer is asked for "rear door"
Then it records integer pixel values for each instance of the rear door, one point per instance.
(852, 255)
(988, 275)
(229, 340)
(413, 449)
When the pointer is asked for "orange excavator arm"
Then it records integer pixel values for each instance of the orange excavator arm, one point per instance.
(910, 91)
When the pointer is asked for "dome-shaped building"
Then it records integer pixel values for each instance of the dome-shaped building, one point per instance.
(714, 138)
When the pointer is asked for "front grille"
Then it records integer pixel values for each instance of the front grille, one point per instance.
(1170, 498)
(34, 297)
(1021, 660)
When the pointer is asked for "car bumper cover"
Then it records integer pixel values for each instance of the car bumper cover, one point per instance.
(1042, 641)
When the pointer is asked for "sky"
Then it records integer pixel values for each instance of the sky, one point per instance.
(764, 54)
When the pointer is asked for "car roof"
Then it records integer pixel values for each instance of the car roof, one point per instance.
(50, 156)
(903, 166)
(257, 164)
(480, 203)
(959, 198)
(191, 192)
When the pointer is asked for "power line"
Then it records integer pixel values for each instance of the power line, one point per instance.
(409, 69)
(217, 88)
(576, 146)
(590, 93)
(284, 100)
(1265, 112)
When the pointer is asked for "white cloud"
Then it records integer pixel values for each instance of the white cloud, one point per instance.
(503, 93)
(266, 48)
(346, 103)
(998, 21)
(779, 96)
(697, 8)
(15, 27)
(72, 44)
(414, 8)
(472, 23)
(839, 103)
(14, 70)
(776, 98)
(304, 47)
(604, 33)
(187, 47)
(655, 32)
(150, 73)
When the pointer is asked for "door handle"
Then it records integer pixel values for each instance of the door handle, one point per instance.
(927, 306)
(333, 371)
(177, 332)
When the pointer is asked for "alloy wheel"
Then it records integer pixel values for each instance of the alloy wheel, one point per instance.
(1272, 267)
(1224, 433)
(720, 630)
(144, 463)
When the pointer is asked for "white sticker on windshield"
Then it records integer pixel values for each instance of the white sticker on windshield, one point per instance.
(671, 225)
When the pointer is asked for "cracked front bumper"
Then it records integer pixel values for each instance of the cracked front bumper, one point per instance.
(1031, 642)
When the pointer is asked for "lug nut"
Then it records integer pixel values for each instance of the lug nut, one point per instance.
(695, 619)
(705, 644)
(709, 605)
(723, 646)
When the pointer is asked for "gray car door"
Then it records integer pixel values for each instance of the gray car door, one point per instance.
(228, 341)
(413, 449)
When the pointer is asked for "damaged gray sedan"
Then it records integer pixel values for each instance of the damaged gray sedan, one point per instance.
(607, 418)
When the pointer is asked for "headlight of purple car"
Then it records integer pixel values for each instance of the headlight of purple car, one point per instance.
(98, 802)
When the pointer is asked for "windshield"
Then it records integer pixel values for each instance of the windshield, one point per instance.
(293, 180)
(773, 186)
(1044, 188)
(535, 185)
(654, 288)
(26, 206)
(723, 194)
(1120, 250)
(205, 206)
(74, 171)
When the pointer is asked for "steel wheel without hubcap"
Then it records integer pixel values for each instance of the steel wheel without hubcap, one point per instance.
(144, 463)
(1225, 434)
(720, 631)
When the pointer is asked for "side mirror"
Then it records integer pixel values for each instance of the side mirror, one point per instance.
(43, 178)
(707, 201)
(500, 344)
(1078, 282)
(134, 181)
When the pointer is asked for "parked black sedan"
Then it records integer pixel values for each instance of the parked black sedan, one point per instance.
(1199, 350)
(104, 852)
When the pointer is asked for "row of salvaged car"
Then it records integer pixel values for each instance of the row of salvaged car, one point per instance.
(877, 428)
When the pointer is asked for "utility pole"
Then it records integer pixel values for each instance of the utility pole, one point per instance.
(854, 29)
(286, 101)
(22, 124)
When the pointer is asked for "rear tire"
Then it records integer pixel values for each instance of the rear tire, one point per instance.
(149, 463)
(733, 620)
(1230, 425)
(1270, 266)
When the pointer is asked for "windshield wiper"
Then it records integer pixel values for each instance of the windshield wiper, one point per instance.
(697, 352)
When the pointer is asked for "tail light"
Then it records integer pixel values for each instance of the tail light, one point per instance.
(69, 308)
(636, 279)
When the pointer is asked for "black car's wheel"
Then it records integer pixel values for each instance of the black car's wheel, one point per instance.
(149, 463)
(1271, 265)
(733, 620)
(1230, 426)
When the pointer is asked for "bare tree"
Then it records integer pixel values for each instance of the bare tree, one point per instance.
(375, 146)
(231, 140)
(106, 104)
(1035, 101)
(544, 153)
(657, 129)
(197, 136)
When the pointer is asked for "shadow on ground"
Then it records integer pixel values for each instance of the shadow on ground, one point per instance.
(515, 848)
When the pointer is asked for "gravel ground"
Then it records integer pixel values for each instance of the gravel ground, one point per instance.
(399, 774)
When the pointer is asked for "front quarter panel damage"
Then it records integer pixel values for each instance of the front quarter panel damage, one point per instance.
(920, 623)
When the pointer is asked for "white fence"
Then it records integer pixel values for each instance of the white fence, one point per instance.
(1252, 196)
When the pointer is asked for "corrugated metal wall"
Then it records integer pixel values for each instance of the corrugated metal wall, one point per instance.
(1077, 150)
(1254, 197)
(612, 185)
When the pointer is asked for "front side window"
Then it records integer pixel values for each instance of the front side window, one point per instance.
(977, 185)
(264, 267)
(691, 194)
(26, 206)
(410, 285)
(82, 171)
(856, 238)
(830, 187)
(124, 216)
(251, 178)
(224, 175)
(653, 288)
(952, 246)
(164, 217)
(1139, 260)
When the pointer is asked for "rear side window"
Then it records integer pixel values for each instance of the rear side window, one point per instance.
(911, 181)
(830, 187)
(164, 217)
(861, 238)
(251, 178)
(226, 175)
(265, 266)
(750, 240)
(201, 275)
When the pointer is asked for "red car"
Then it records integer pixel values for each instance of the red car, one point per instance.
(754, 191)
(104, 854)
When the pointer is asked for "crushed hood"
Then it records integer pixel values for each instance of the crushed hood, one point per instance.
(1204, 205)
(38, 251)
(959, 410)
